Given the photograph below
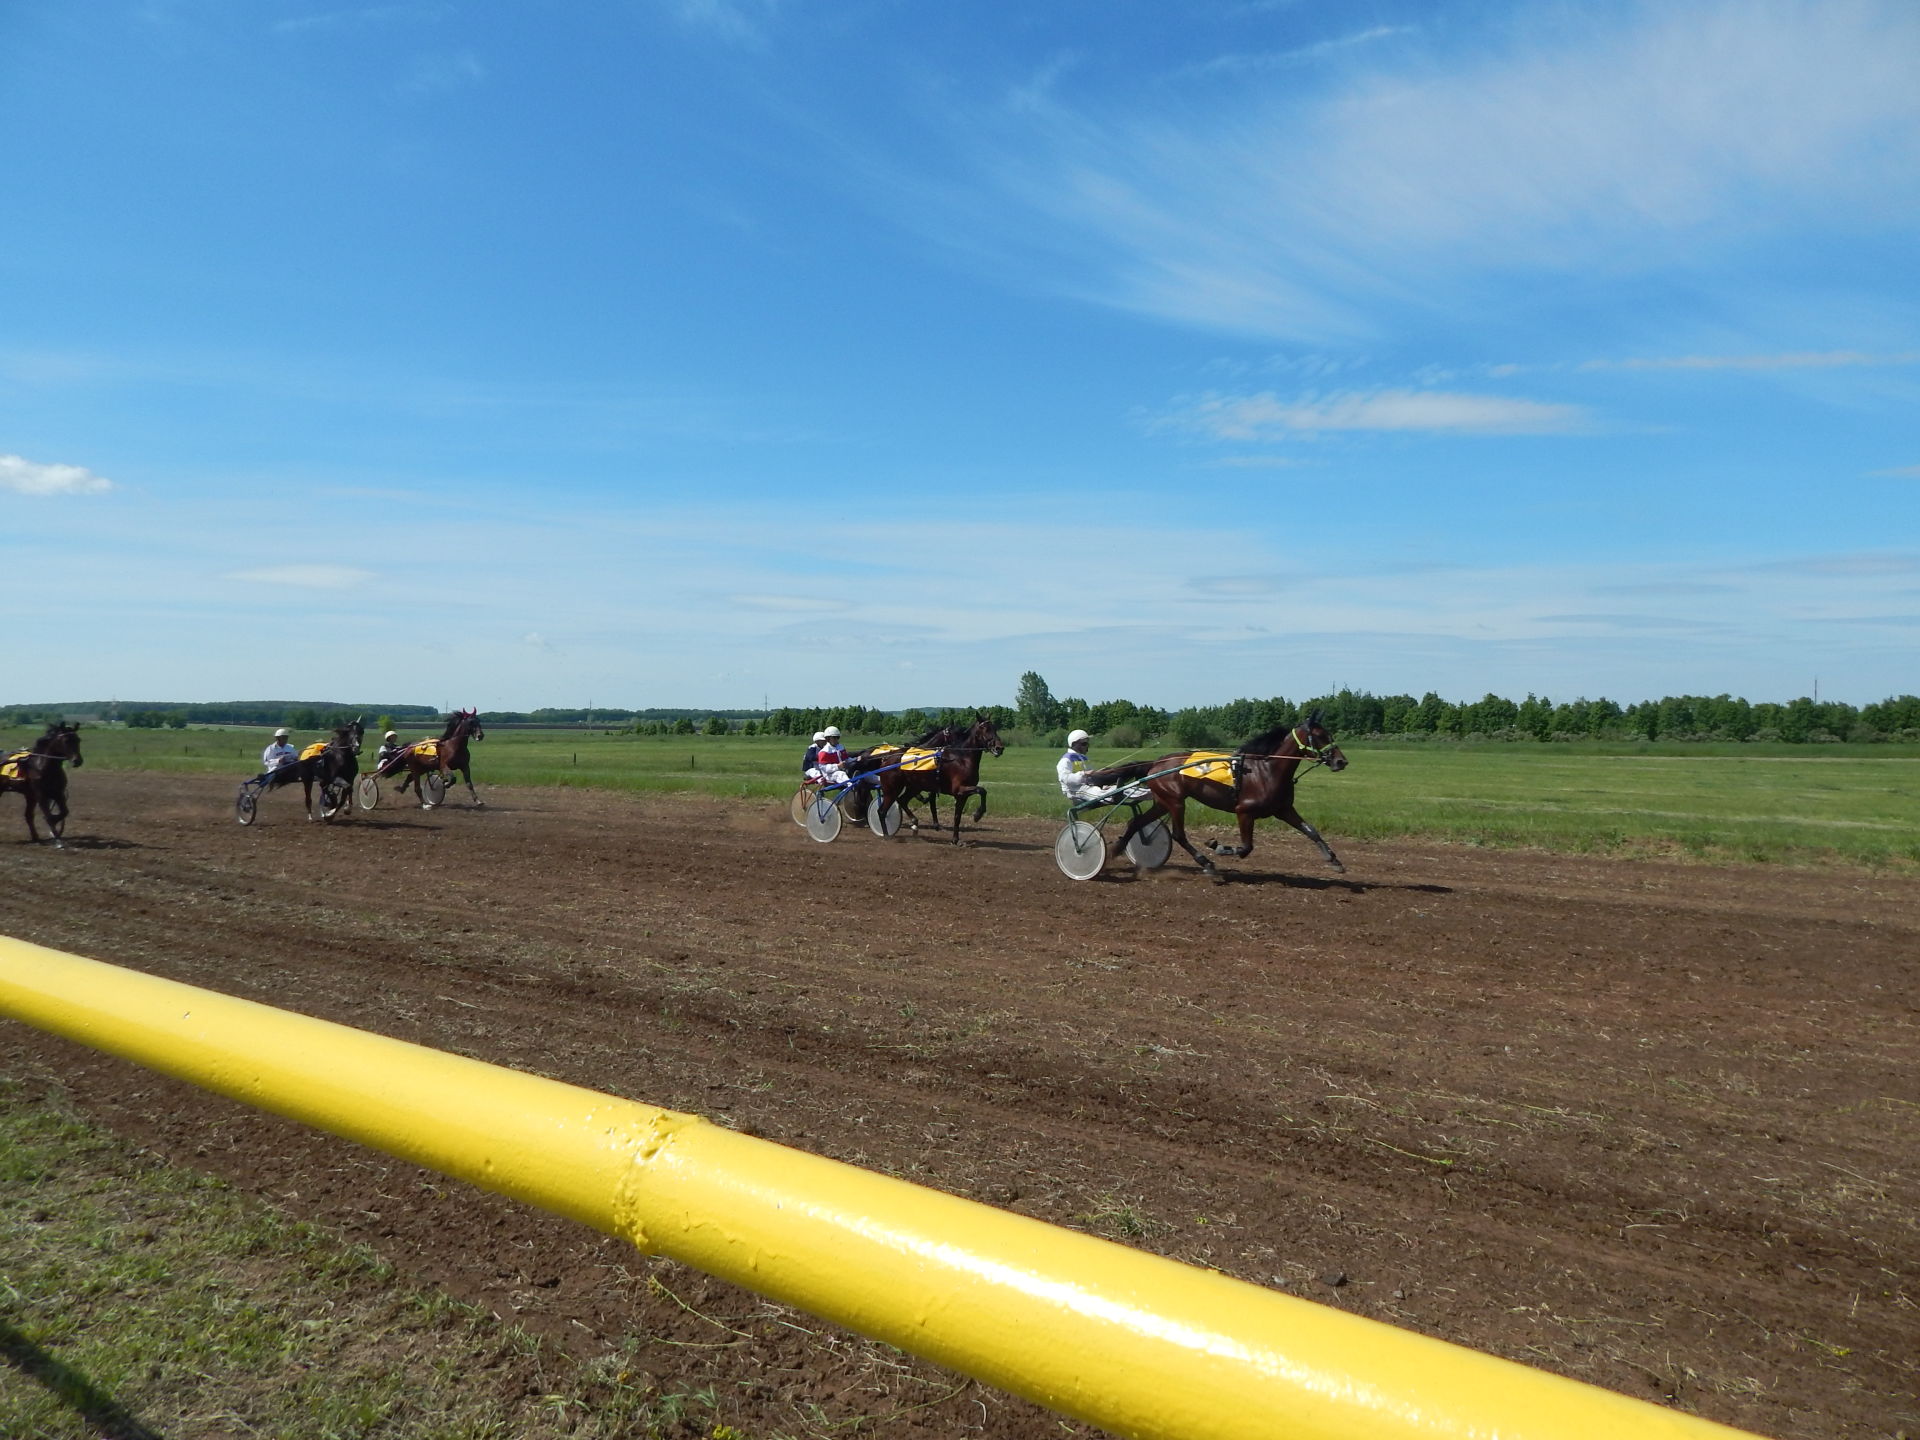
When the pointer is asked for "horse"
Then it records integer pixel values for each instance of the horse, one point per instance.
(1255, 782)
(445, 755)
(863, 767)
(337, 764)
(955, 772)
(40, 775)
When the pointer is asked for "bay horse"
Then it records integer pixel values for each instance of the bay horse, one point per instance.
(446, 755)
(955, 773)
(864, 767)
(40, 774)
(1260, 785)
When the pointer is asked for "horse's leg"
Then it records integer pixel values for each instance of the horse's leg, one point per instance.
(1140, 820)
(1177, 823)
(466, 774)
(33, 835)
(1292, 817)
(1246, 815)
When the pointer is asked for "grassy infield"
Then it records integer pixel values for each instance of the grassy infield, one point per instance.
(1781, 803)
(140, 1300)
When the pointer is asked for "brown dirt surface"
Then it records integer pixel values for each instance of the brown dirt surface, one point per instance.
(1650, 1125)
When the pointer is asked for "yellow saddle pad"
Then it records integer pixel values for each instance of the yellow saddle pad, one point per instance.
(426, 749)
(313, 751)
(921, 760)
(1214, 765)
(10, 767)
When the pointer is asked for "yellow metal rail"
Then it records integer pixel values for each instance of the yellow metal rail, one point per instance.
(1140, 1345)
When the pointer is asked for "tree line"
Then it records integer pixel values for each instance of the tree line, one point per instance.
(1038, 716)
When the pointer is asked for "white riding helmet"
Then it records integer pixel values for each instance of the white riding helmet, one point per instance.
(281, 733)
(1077, 736)
(818, 736)
(390, 735)
(832, 732)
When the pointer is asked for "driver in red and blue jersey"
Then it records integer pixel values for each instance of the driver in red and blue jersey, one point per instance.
(829, 760)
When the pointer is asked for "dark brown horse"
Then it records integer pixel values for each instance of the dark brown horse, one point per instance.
(866, 768)
(40, 774)
(333, 769)
(955, 773)
(1254, 782)
(445, 755)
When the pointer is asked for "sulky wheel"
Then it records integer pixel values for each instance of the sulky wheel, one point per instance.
(246, 806)
(797, 807)
(433, 789)
(1080, 850)
(366, 792)
(1151, 845)
(884, 819)
(336, 799)
(823, 819)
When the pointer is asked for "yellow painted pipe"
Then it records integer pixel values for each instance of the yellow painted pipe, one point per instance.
(1137, 1344)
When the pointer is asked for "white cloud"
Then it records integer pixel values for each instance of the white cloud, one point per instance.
(793, 603)
(1254, 417)
(1802, 360)
(310, 577)
(1900, 472)
(1588, 140)
(433, 74)
(24, 477)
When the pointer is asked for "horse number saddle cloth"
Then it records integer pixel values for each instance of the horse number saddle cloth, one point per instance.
(313, 751)
(10, 765)
(1214, 765)
(916, 759)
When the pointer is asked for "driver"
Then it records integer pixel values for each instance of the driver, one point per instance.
(1072, 771)
(829, 760)
(390, 751)
(806, 761)
(276, 757)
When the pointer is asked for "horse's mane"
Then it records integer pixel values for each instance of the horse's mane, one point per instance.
(1267, 741)
(453, 722)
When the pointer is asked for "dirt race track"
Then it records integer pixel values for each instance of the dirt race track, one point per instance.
(1651, 1125)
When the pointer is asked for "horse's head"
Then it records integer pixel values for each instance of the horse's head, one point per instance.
(1312, 738)
(473, 730)
(61, 740)
(983, 736)
(353, 732)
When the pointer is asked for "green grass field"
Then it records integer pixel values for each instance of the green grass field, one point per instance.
(1777, 803)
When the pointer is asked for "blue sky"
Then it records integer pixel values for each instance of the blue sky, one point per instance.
(699, 351)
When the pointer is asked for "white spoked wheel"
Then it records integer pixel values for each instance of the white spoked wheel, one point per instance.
(246, 805)
(336, 798)
(797, 807)
(433, 788)
(883, 819)
(824, 819)
(1080, 851)
(1152, 844)
(366, 792)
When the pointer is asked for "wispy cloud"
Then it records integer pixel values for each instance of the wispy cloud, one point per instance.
(1255, 61)
(1263, 416)
(434, 74)
(310, 577)
(1899, 472)
(795, 603)
(1801, 360)
(1586, 140)
(25, 477)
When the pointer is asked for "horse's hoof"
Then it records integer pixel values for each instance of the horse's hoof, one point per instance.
(1217, 877)
(1338, 866)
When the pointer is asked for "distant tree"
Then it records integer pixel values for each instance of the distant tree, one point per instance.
(1034, 704)
(717, 725)
(684, 726)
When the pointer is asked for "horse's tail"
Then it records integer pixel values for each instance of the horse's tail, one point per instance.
(1122, 774)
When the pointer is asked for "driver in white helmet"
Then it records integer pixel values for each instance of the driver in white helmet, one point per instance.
(1072, 772)
(806, 761)
(277, 756)
(390, 752)
(829, 760)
